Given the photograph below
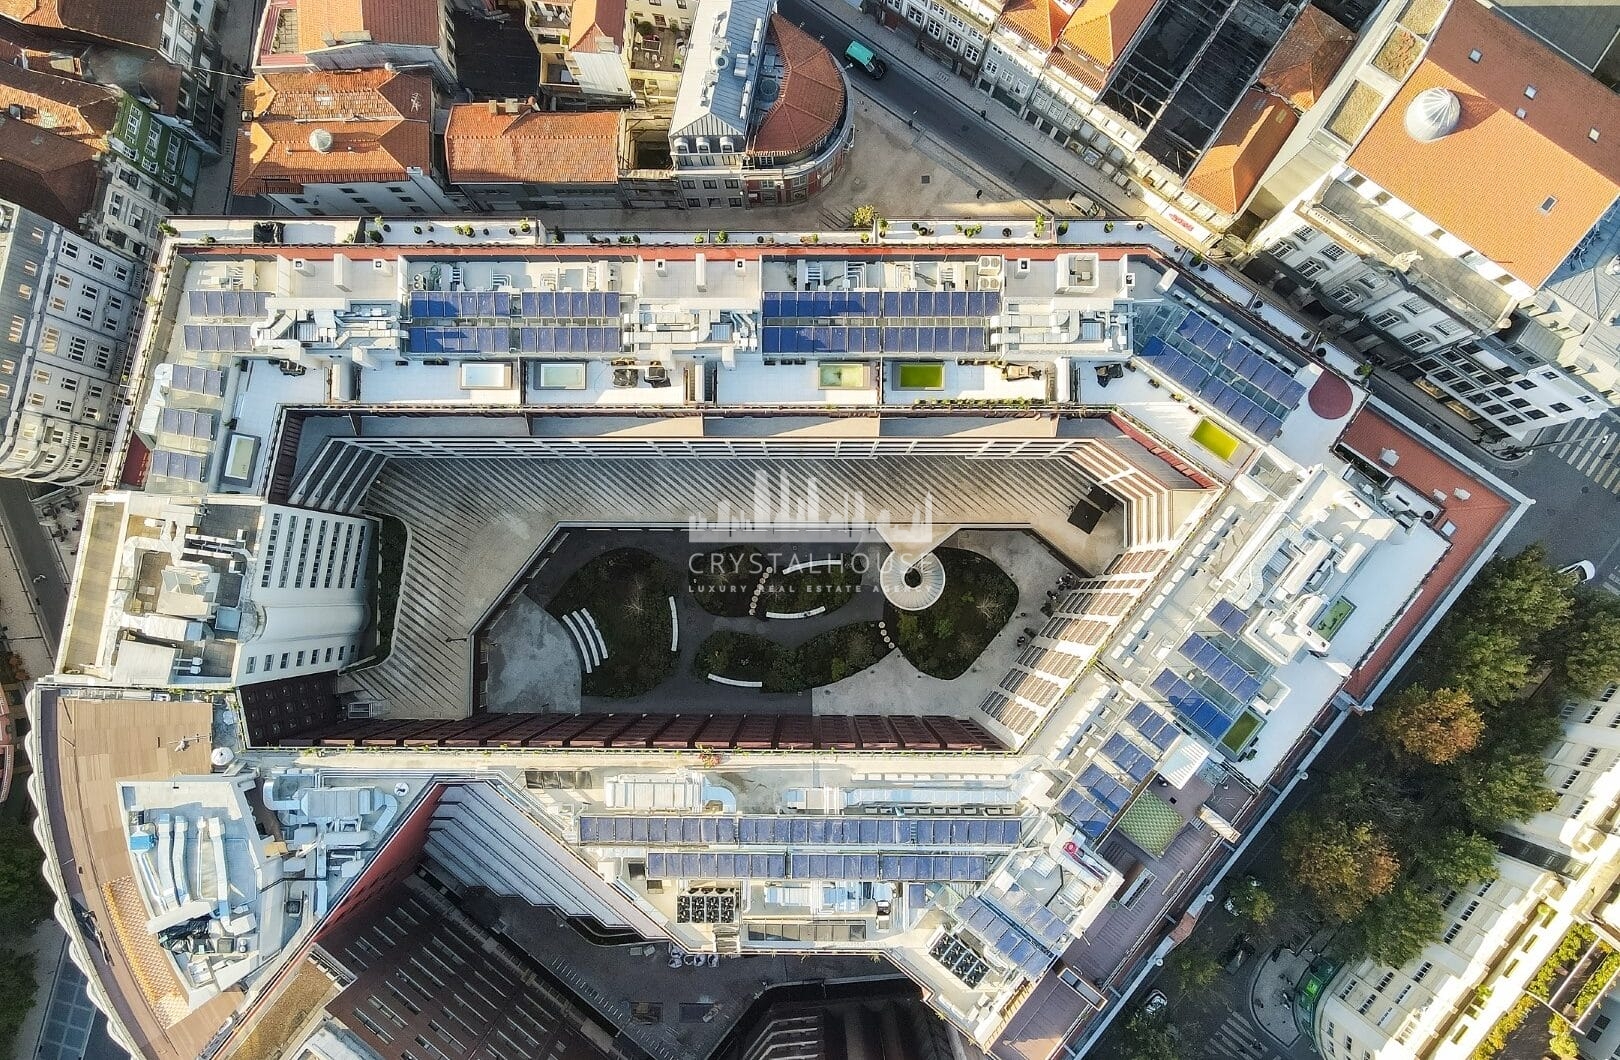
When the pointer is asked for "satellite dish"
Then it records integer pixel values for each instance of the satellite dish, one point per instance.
(320, 140)
(401, 790)
(222, 757)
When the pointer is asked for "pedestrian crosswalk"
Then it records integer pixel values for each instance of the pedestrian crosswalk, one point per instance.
(1591, 447)
(1237, 1039)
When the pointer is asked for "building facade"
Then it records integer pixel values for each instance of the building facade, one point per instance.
(68, 307)
(1555, 888)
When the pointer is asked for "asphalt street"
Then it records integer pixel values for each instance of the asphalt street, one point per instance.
(946, 118)
(35, 558)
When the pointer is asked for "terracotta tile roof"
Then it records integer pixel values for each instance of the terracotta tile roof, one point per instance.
(1372, 434)
(70, 108)
(1487, 181)
(52, 175)
(138, 22)
(485, 146)
(1040, 22)
(20, 44)
(381, 123)
(1305, 60)
(1230, 169)
(1094, 38)
(595, 23)
(811, 102)
(325, 23)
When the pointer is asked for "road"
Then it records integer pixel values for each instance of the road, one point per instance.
(35, 558)
(911, 94)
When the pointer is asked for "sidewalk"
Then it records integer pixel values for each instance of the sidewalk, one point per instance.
(895, 46)
(1272, 991)
(24, 633)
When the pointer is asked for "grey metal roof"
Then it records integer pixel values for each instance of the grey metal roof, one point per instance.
(723, 58)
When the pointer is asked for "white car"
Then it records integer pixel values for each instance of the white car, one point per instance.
(1581, 569)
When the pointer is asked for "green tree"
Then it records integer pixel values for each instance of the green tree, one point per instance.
(1587, 656)
(1147, 1037)
(1522, 594)
(1395, 927)
(1360, 793)
(1490, 662)
(24, 897)
(1433, 727)
(1252, 901)
(1500, 784)
(1454, 858)
(17, 994)
(1192, 966)
(1342, 865)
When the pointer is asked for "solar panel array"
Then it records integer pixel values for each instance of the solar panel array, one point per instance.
(875, 322)
(1128, 758)
(221, 304)
(1152, 726)
(962, 868)
(1221, 667)
(166, 463)
(193, 380)
(1093, 801)
(1195, 708)
(1229, 617)
(216, 338)
(801, 831)
(1011, 940)
(187, 423)
(434, 339)
(531, 305)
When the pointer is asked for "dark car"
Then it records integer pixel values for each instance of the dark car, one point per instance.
(1241, 950)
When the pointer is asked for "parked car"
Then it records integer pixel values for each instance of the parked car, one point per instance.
(1241, 950)
(1085, 204)
(862, 57)
(1155, 1003)
(1581, 569)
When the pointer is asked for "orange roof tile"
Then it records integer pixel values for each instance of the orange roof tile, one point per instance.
(1040, 22)
(1096, 35)
(325, 23)
(594, 23)
(66, 106)
(484, 145)
(52, 175)
(811, 102)
(137, 22)
(1487, 181)
(1370, 435)
(380, 121)
(1230, 168)
(1305, 60)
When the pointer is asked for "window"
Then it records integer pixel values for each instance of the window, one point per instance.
(1529, 91)
(1310, 267)
(1388, 319)
(18, 327)
(1452, 932)
(64, 407)
(1333, 252)
(1474, 55)
(1422, 972)
(1345, 296)
(252, 663)
(1417, 340)
(1548, 203)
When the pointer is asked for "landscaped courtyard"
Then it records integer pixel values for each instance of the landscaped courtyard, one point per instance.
(646, 620)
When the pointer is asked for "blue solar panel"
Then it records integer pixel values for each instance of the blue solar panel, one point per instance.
(1152, 726)
(1078, 806)
(1128, 757)
(1226, 615)
(1190, 324)
(1222, 668)
(1194, 706)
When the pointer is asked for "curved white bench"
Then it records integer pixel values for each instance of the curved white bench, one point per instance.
(813, 612)
(717, 679)
(596, 634)
(674, 627)
(582, 640)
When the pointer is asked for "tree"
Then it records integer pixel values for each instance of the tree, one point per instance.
(1490, 662)
(1150, 1038)
(1587, 656)
(1500, 784)
(1456, 859)
(1359, 793)
(1253, 902)
(1192, 966)
(1433, 727)
(1522, 594)
(1395, 927)
(863, 216)
(17, 993)
(1342, 865)
(24, 898)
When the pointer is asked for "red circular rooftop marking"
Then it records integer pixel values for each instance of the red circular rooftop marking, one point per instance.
(1331, 397)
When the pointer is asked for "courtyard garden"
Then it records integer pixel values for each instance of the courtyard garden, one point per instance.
(943, 640)
(625, 593)
(822, 660)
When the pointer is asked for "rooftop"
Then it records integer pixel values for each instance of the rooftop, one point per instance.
(1095, 37)
(1535, 138)
(333, 127)
(810, 102)
(332, 23)
(1303, 63)
(493, 143)
(1230, 168)
(139, 22)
